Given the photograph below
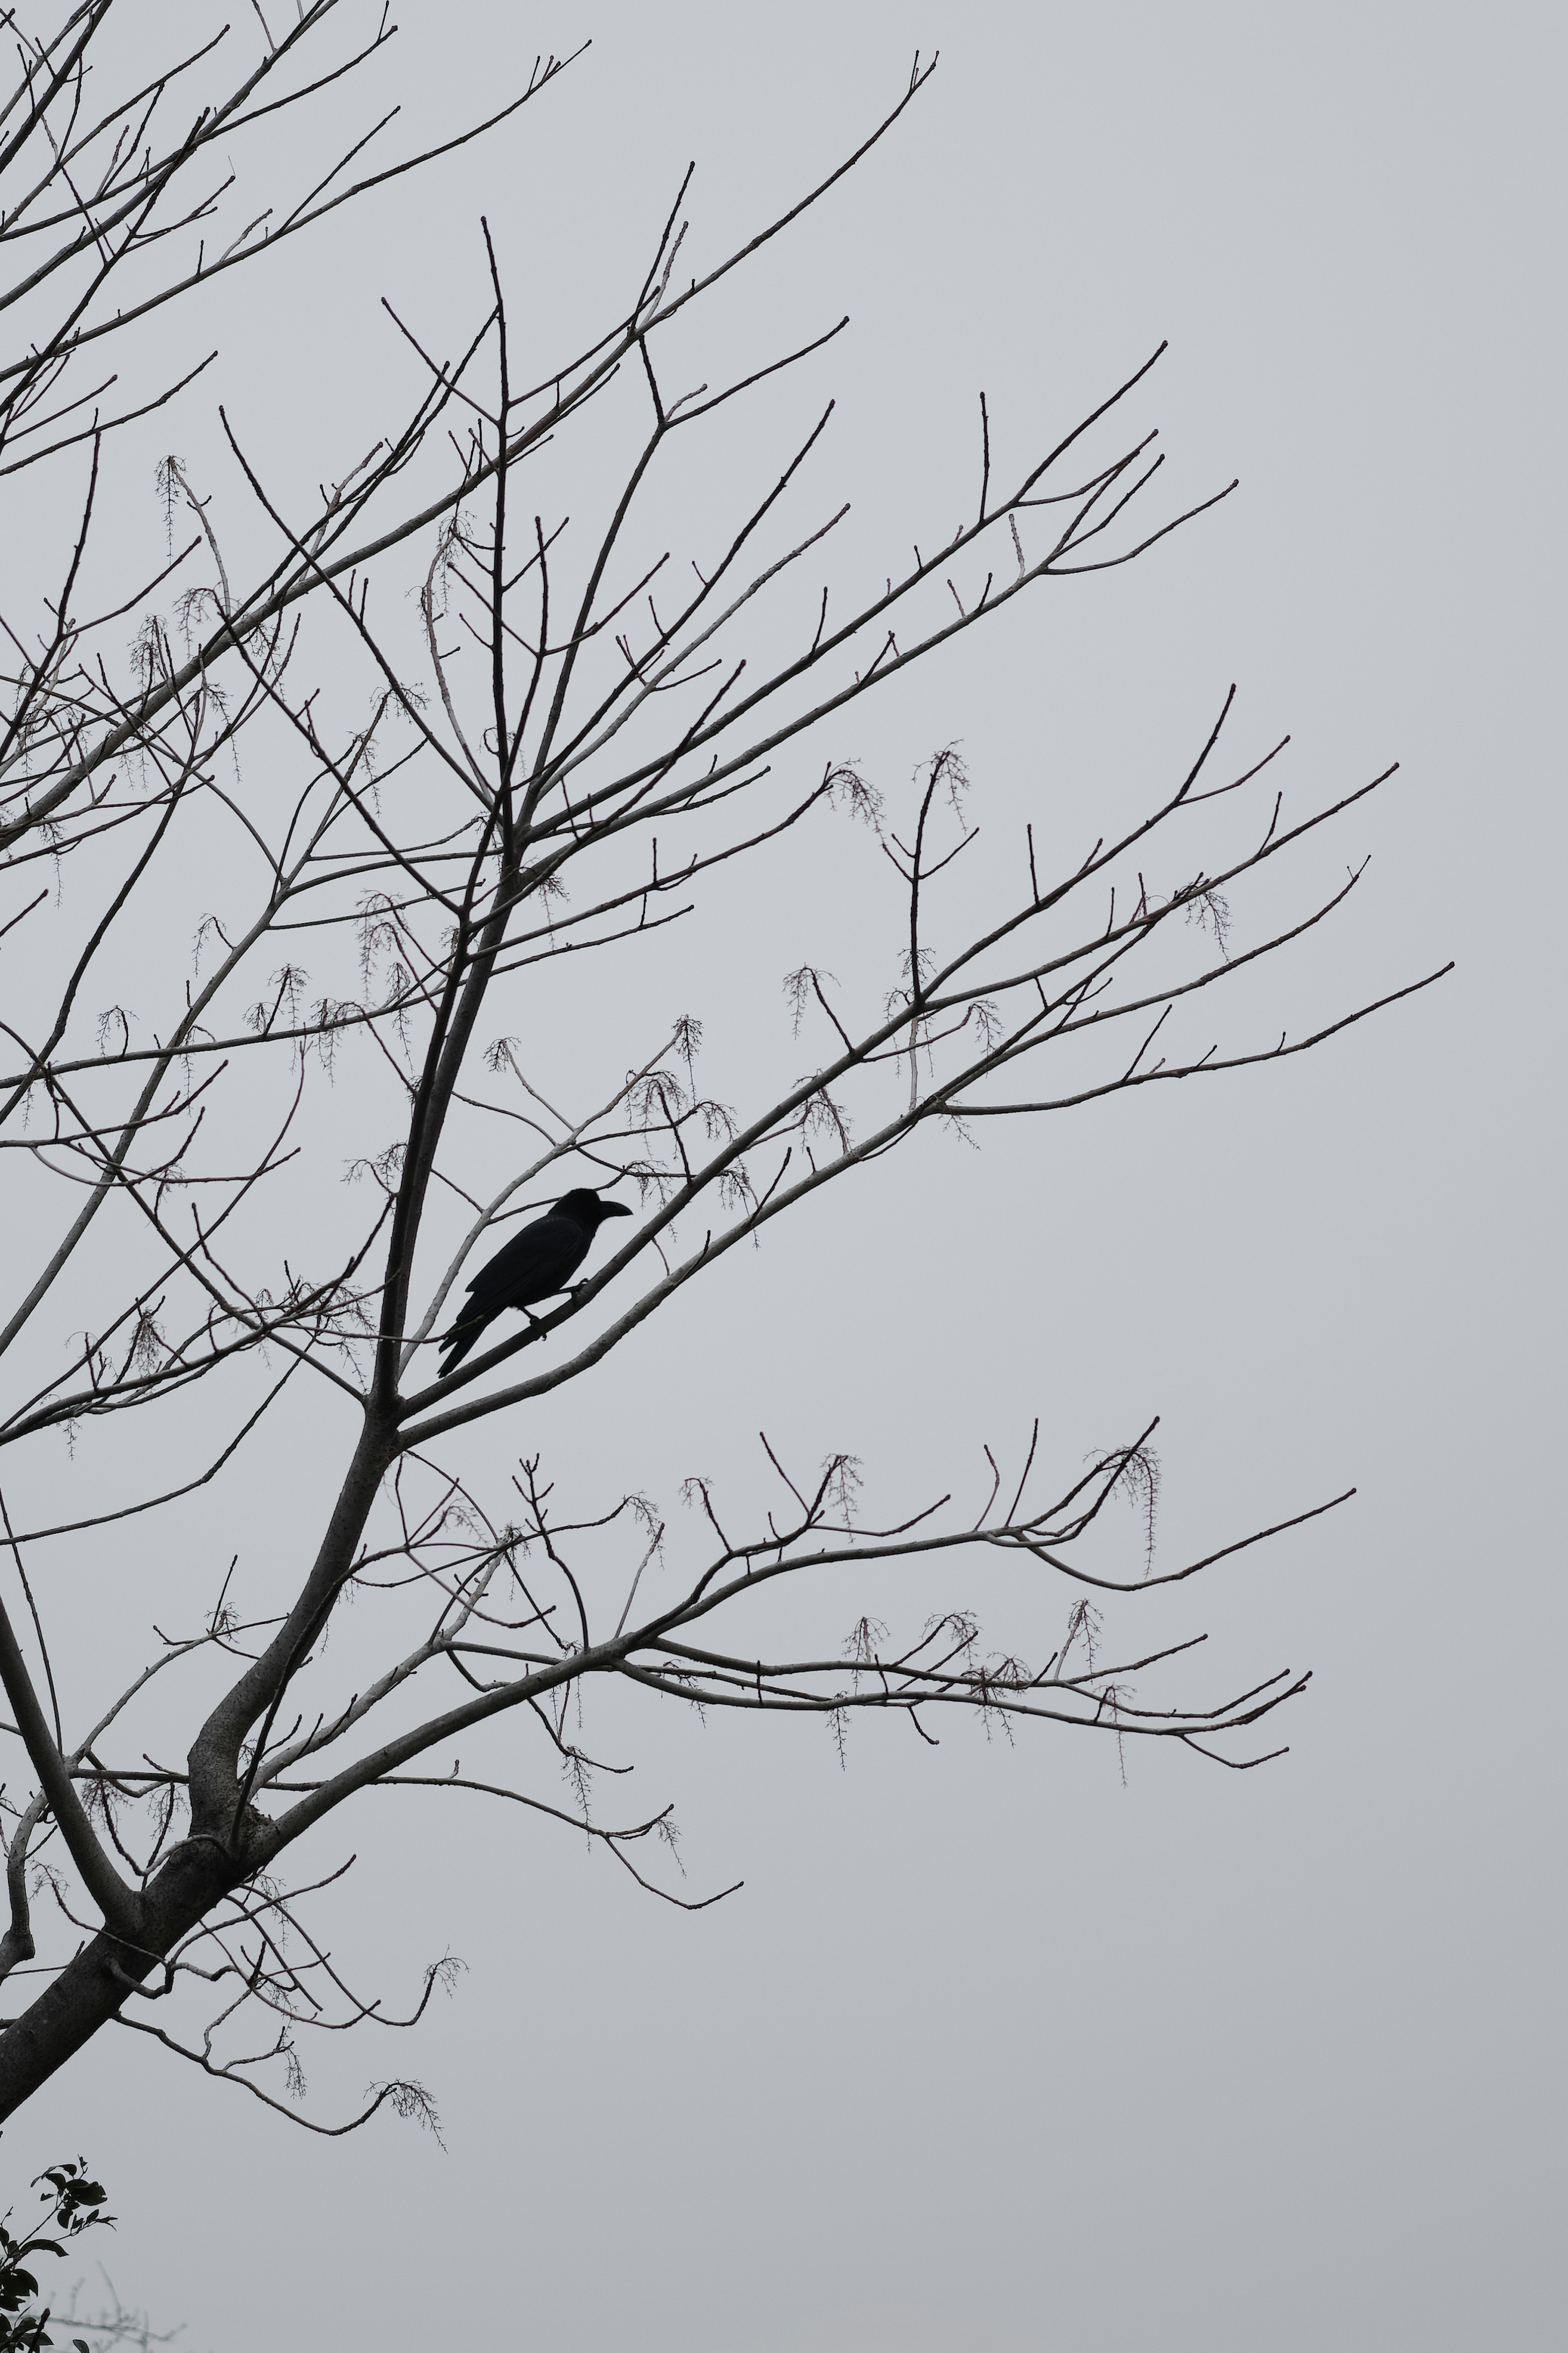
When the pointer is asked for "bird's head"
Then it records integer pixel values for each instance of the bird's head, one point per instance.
(586, 1209)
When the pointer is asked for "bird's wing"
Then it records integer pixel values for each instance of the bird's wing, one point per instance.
(539, 1260)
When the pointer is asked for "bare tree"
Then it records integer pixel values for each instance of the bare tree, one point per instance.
(572, 733)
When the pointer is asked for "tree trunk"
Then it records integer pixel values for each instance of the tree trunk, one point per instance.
(90, 1988)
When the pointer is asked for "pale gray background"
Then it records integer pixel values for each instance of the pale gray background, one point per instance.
(993, 2052)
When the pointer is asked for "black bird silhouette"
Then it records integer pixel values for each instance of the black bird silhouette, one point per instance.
(535, 1263)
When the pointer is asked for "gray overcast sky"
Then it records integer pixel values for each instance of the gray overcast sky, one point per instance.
(993, 2052)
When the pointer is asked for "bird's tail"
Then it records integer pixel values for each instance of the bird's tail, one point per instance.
(459, 1340)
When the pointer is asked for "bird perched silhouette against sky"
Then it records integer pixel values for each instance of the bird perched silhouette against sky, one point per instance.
(535, 1264)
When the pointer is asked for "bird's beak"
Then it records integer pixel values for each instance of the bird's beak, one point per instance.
(614, 1210)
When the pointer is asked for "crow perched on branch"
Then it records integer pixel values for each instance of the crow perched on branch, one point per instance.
(535, 1263)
